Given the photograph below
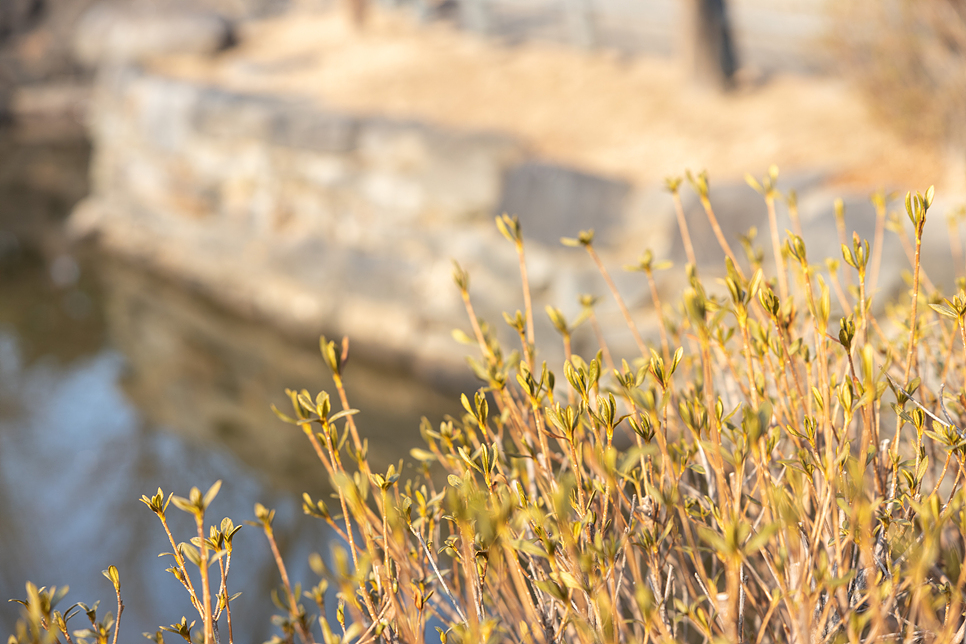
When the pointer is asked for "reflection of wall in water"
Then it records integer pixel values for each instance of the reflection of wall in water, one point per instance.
(202, 371)
(74, 454)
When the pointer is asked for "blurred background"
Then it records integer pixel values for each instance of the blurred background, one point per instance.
(191, 192)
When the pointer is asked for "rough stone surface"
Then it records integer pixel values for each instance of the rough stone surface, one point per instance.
(111, 34)
(37, 36)
(553, 202)
(324, 221)
(345, 223)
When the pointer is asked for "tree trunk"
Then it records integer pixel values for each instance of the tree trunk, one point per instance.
(358, 10)
(708, 46)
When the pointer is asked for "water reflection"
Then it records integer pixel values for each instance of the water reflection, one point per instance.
(149, 386)
(206, 373)
(72, 463)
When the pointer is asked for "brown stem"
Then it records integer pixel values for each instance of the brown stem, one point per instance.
(477, 331)
(181, 566)
(683, 226)
(293, 604)
(120, 609)
(725, 246)
(911, 352)
(205, 587)
(910, 252)
(608, 360)
(224, 565)
(777, 249)
(350, 421)
(620, 300)
(752, 380)
(665, 346)
(962, 331)
(526, 303)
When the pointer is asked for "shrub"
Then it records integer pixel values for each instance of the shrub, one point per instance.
(763, 474)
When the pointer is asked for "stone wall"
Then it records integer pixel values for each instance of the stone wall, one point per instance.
(327, 222)
(323, 221)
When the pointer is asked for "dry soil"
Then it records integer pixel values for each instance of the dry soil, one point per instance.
(635, 118)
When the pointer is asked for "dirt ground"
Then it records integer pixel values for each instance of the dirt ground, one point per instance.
(634, 118)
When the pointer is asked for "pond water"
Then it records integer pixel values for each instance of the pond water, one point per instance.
(114, 382)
